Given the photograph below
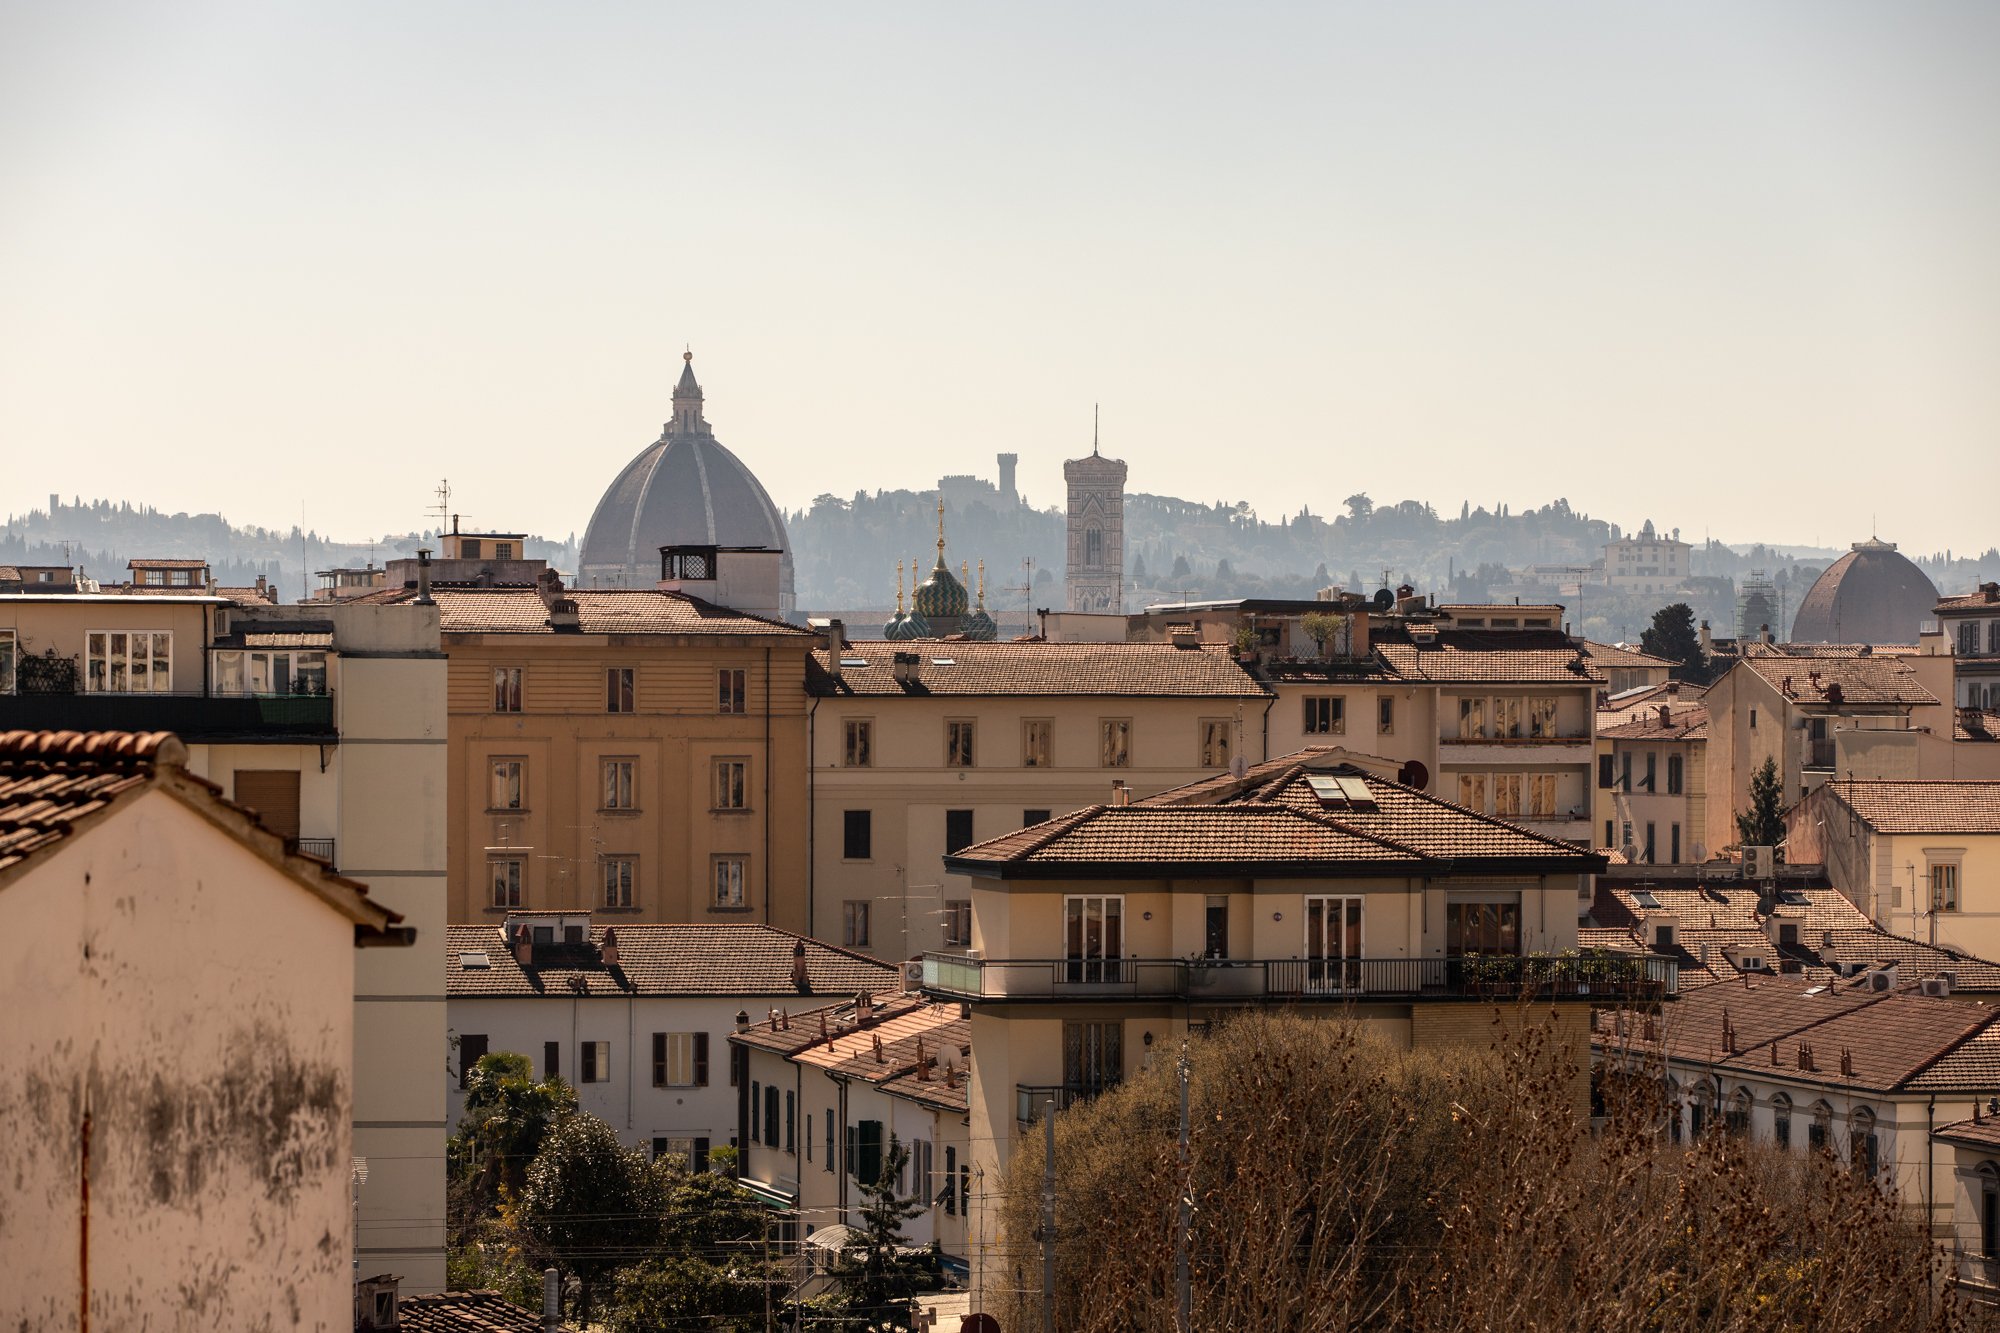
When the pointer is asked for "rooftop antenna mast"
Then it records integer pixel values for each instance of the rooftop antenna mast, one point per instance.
(443, 507)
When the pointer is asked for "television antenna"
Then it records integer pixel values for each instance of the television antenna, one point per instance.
(443, 506)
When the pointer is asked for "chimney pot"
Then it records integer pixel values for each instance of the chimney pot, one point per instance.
(551, 1300)
(609, 949)
(424, 576)
(524, 946)
(742, 1020)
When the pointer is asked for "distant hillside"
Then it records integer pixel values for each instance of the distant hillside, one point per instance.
(102, 535)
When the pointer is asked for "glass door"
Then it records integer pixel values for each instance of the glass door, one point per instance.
(1093, 938)
(1333, 944)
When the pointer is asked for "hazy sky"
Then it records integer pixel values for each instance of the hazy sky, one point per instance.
(1732, 266)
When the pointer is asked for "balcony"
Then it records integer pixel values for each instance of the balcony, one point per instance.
(1030, 1100)
(1301, 980)
(1530, 750)
(1816, 753)
(192, 717)
(320, 848)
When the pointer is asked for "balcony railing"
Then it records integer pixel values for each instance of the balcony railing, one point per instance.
(1818, 753)
(193, 717)
(319, 847)
(1031, 1100)
(1284, 980)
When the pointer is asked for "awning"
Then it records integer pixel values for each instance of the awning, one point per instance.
(770, 1195)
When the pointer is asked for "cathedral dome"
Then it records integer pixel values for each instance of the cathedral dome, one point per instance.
(978, 625)
(1873, 594)
(684, 489)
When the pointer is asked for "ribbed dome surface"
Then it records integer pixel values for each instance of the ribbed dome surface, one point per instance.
(684, 489)
(941, 595)
(1873, 594)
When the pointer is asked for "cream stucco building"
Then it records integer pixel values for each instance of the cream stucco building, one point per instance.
(328, 720)
(179, 1047)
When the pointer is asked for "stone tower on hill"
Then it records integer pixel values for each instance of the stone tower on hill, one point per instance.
(1095, 578)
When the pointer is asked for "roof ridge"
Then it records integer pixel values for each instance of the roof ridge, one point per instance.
(1978, 1030)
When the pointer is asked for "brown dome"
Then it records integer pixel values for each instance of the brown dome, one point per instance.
(1873, 594)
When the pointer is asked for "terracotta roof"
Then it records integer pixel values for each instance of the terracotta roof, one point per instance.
(1862, 680)
(599, 611)
(1977, 602)
(52, 783)
(174, 563)
(465, 1312)
(1273, 821)
(1976, 724)
(1981, 1133)
(1685, 722)
(965, 667)
(1893, 1038)
(1923, 807)
(851, 1054)
(692, 959)
(1526, 657)
(1617, 655)
(1832, 930)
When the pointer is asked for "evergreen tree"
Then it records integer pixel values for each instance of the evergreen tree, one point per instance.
(1673, 637)
(879, 1288)
(1763, 824)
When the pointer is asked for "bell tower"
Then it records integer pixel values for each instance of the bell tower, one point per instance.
(1095, 577)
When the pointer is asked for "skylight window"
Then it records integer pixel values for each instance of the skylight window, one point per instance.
(944, 661)
(1645, 898)
(1342, 791)
(854, 661)
(474, 962)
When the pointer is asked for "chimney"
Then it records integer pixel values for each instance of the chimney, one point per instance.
(1764, 634)
(1707, 639)
(1121, 795)
(742, 1020)
(608, 950)
(549, 585)
(424, 576)
(524, 946)
(907, 668)
(551, 1301)
(923, 1064)
(836, 643)
(800, 982)
(1666, 716)
(1991, 591)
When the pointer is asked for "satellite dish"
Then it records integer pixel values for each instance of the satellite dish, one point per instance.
(1414, 774)
(1384, 600)
(1238, 766)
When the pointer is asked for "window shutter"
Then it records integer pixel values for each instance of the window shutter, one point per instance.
(701, 1059)
(869, 1167)
(756, 1111)
(551, 1059)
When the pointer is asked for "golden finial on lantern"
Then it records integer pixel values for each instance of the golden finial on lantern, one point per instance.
(899, 587)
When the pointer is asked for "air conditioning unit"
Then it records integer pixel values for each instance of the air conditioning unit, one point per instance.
(1759, 862)
(1935, 987)
(913, 975)
(1882, 979)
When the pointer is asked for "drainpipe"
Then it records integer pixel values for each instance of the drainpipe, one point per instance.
(812, 814)
(1266, 745)
(767, 786)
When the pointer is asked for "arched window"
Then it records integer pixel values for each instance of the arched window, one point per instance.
(1674, 1110)
(1736, 1118)
(1993, 637)
(1701, 1110)
(1819, 1134)
(1093, 548)
(1864, 1145)
(1781, 1121)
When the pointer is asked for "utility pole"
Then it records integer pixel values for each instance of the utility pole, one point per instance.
(1183, 1290)
(1049, 1218)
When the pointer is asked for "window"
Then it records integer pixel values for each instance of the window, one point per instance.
(771, 1116)
(1674, 839)
(1606, 771)
(1753, 719)
(1819, 1134)
(618, 690)
(1215, 743)
(957, 924)
(471, 1048)
(1652, 770)
(1385, 715)
(1673, 775)
(1610, 834)
(1864, 1145)
(958, 744)
(1326, 715)
(596, 1066)
(1492, 927)
(505, 792)
(618, 786)
(1472, 791)
(1093, 937)
(1093, 548)
(1626, 841)
(1649, 857)
(1968, 638)
(507, 689)
(1507, 718)
(859, 751)
(1542, 796)
(128, 662)
(864, 1150)
(1030, 818)
(505, 877)
(731, 784)
(7, 653)
(1215, 926)
(265, 672)
(1993, 637)
(1035, 742)
(1736, 1117)
(791, 1123)
(1115, 748)
(756, 1104)
(1093, 1056)
(957, 831)
(854, 923)
(680, 1059)
(1507, 795)
(694, 1151)
(951, 1181)
(1944, 886)
(731, 691)
(1542, 717)
(728, 879)
(1625, 771)
(857, 834)
(1471, 719)
(1781, 1121)
(1989, 1204)
(829, 1139)
(620, 872)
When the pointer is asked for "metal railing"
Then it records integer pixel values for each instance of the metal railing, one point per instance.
(1031, 1100)
(1471, 976)
(319, 847)
(190, 716)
